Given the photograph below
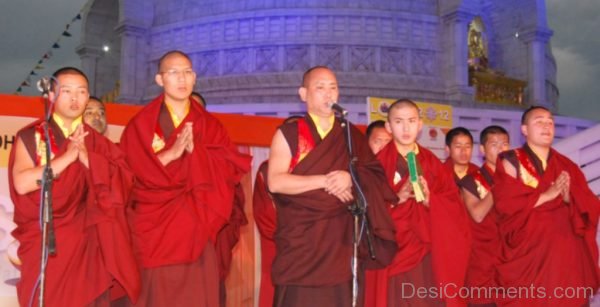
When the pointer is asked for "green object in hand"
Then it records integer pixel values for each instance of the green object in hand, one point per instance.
(413, 171)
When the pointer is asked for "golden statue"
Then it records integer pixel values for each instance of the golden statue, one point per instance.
(478, 53)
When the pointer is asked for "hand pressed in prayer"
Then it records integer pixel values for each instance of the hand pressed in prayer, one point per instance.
(183, 142)
(190, 145)
(72, 152)
(78, 141)
(559, 187)
(566, 193)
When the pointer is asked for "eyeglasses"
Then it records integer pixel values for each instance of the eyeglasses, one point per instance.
(174, 73)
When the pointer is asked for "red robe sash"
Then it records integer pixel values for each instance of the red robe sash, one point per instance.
(39, 132)
(306, 143)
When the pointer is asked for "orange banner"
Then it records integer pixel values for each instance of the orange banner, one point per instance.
(243, 129)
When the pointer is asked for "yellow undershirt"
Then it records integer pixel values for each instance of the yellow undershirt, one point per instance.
(176, 120)
(66, 131)
(322, 133)
(415, 150)
(460, 175)
(544, 162)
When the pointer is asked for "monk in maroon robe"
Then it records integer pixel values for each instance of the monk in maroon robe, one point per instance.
(94, 263)
(187, 169)
(459, 147)
(476, 193)
(265, 216)
(432, 233)
(312, 190)
(228, 237)
(548, 219)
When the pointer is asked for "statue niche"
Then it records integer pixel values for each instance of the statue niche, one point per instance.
(478, 49)
(491, 86)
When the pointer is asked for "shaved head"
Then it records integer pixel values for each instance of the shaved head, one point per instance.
(171, 54)
(402, 103)
(527, 113)
(307, 75)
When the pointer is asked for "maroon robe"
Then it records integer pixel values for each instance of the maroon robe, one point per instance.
(485, 250)
(93, 245)
(434, 241)
(228, 237)
(264, 215)
(549, 247)
(314, 229)
(178, 209)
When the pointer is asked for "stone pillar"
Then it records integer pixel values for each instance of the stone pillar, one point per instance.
(455, 48)
(133, 63)
(89, 55)
(536, 41)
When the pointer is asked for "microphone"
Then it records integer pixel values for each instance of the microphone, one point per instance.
(44, 84)
(338, 108)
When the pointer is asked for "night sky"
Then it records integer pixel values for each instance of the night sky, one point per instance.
(29, 28)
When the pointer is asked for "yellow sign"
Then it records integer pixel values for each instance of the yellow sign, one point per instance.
(432, 114)
(437, 120)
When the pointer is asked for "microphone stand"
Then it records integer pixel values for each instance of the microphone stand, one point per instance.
(47, 227)
(358, 209)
